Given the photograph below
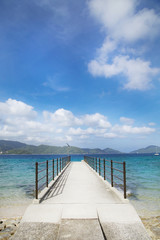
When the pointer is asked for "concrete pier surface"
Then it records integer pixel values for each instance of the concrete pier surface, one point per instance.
(81, 205)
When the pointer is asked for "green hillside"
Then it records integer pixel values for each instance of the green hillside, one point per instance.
(111, 151)
(149, 149)
(8, 145)
(14, 147)
(93, 151)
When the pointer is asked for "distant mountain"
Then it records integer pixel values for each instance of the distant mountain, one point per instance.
(111, 151)
(8, 145)
(93, 151)
(14, 147)
(149, 149)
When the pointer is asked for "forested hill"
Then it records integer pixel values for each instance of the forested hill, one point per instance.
(14, 147)
(149, 149)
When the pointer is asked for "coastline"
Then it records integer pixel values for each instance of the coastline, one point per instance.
(15, 211)
(152, 225)
(10, 218)
(151, 220)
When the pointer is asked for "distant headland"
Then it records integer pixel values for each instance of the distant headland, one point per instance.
(15, 147)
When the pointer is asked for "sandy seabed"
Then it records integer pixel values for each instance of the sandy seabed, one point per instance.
(12, 211)
(152, 225)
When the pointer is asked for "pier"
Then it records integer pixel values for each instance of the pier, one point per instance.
(80, 203)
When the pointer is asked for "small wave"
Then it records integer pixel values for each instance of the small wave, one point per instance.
(132, 195)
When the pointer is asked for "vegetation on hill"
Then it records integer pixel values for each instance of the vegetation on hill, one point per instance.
(149, 149)
(8, 145)
(111, 151)
(12, 147)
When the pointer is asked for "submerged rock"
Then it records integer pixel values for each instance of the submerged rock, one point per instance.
(8, 227)
(4, 236)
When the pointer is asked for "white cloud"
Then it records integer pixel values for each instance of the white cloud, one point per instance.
(86, 131)
(124, 25)
(20, 122)
(127, 129)
(54, 84)
(138, 73)
(62, 117)
(111, 12)
(111, 135)
(66, 118)
(16, 109)
(151, 124)
(96, 120)
(107, 47)
(122, 21)
(128, 121)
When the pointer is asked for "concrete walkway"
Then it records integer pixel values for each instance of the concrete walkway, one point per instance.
(80, 205)
(80, 186)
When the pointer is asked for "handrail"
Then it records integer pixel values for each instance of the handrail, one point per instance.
(57, 166)
(99, 165)
(117, 162)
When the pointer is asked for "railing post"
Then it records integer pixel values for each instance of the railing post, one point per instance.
(60, 165)
(36, 180)
(47, 173)
(124, 178)
(99, 166)
(96, 164)
(111, 173)
(104, 167)
(57, 166)
(53, 168)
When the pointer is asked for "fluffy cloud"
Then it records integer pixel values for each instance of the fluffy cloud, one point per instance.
(97, 120)
(122, 21)
(127, 129)
(138, 73)
(16, 109)
(62, 117)
(128, 121)
(66, 118)
(20, 122)
(124, 26)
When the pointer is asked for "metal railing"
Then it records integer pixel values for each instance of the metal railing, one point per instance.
(107, 169)
(47, 171)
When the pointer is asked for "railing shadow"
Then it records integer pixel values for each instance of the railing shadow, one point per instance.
(58, 186)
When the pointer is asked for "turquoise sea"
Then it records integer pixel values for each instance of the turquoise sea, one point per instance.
(17, 178)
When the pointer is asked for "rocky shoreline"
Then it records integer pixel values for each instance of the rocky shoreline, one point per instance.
(152, 226)
(8, 227)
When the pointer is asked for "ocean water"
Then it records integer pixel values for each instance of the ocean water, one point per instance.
(17, 179)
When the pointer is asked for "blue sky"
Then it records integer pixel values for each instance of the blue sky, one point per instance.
(82, 72)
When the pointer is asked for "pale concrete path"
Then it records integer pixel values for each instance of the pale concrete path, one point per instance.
(79, 206)
(81, 186)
